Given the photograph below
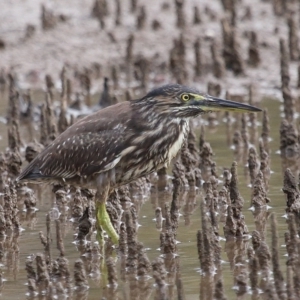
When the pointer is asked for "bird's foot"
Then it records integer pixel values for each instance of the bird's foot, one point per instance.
(104, 221)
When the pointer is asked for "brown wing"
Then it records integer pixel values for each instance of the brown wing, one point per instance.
(92, 145)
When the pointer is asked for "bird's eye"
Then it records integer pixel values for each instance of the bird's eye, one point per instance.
(185, 97)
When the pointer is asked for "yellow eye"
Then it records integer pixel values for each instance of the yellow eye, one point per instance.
(185, 97)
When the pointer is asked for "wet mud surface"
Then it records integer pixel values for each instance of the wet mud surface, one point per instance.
(223, 221)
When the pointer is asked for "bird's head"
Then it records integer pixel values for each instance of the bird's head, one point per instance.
(183, 102)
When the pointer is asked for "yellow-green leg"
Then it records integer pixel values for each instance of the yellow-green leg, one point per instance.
(103, 221)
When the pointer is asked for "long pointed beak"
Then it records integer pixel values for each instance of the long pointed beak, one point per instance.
(209, 103)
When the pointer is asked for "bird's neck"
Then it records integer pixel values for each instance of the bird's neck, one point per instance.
(179, 138)
(150, 116)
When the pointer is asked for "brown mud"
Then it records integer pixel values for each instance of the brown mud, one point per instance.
(211, 226)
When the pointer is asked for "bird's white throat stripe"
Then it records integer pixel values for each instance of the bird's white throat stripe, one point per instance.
(178, 143)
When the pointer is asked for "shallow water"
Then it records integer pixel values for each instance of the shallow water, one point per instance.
(13, 268)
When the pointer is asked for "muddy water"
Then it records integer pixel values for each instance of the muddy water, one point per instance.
(13, 269)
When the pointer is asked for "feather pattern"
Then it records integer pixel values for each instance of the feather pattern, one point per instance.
(131, 139)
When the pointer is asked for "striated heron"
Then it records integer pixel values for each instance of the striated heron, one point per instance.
(123, 142)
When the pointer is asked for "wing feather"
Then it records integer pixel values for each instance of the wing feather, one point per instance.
(92, 145)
